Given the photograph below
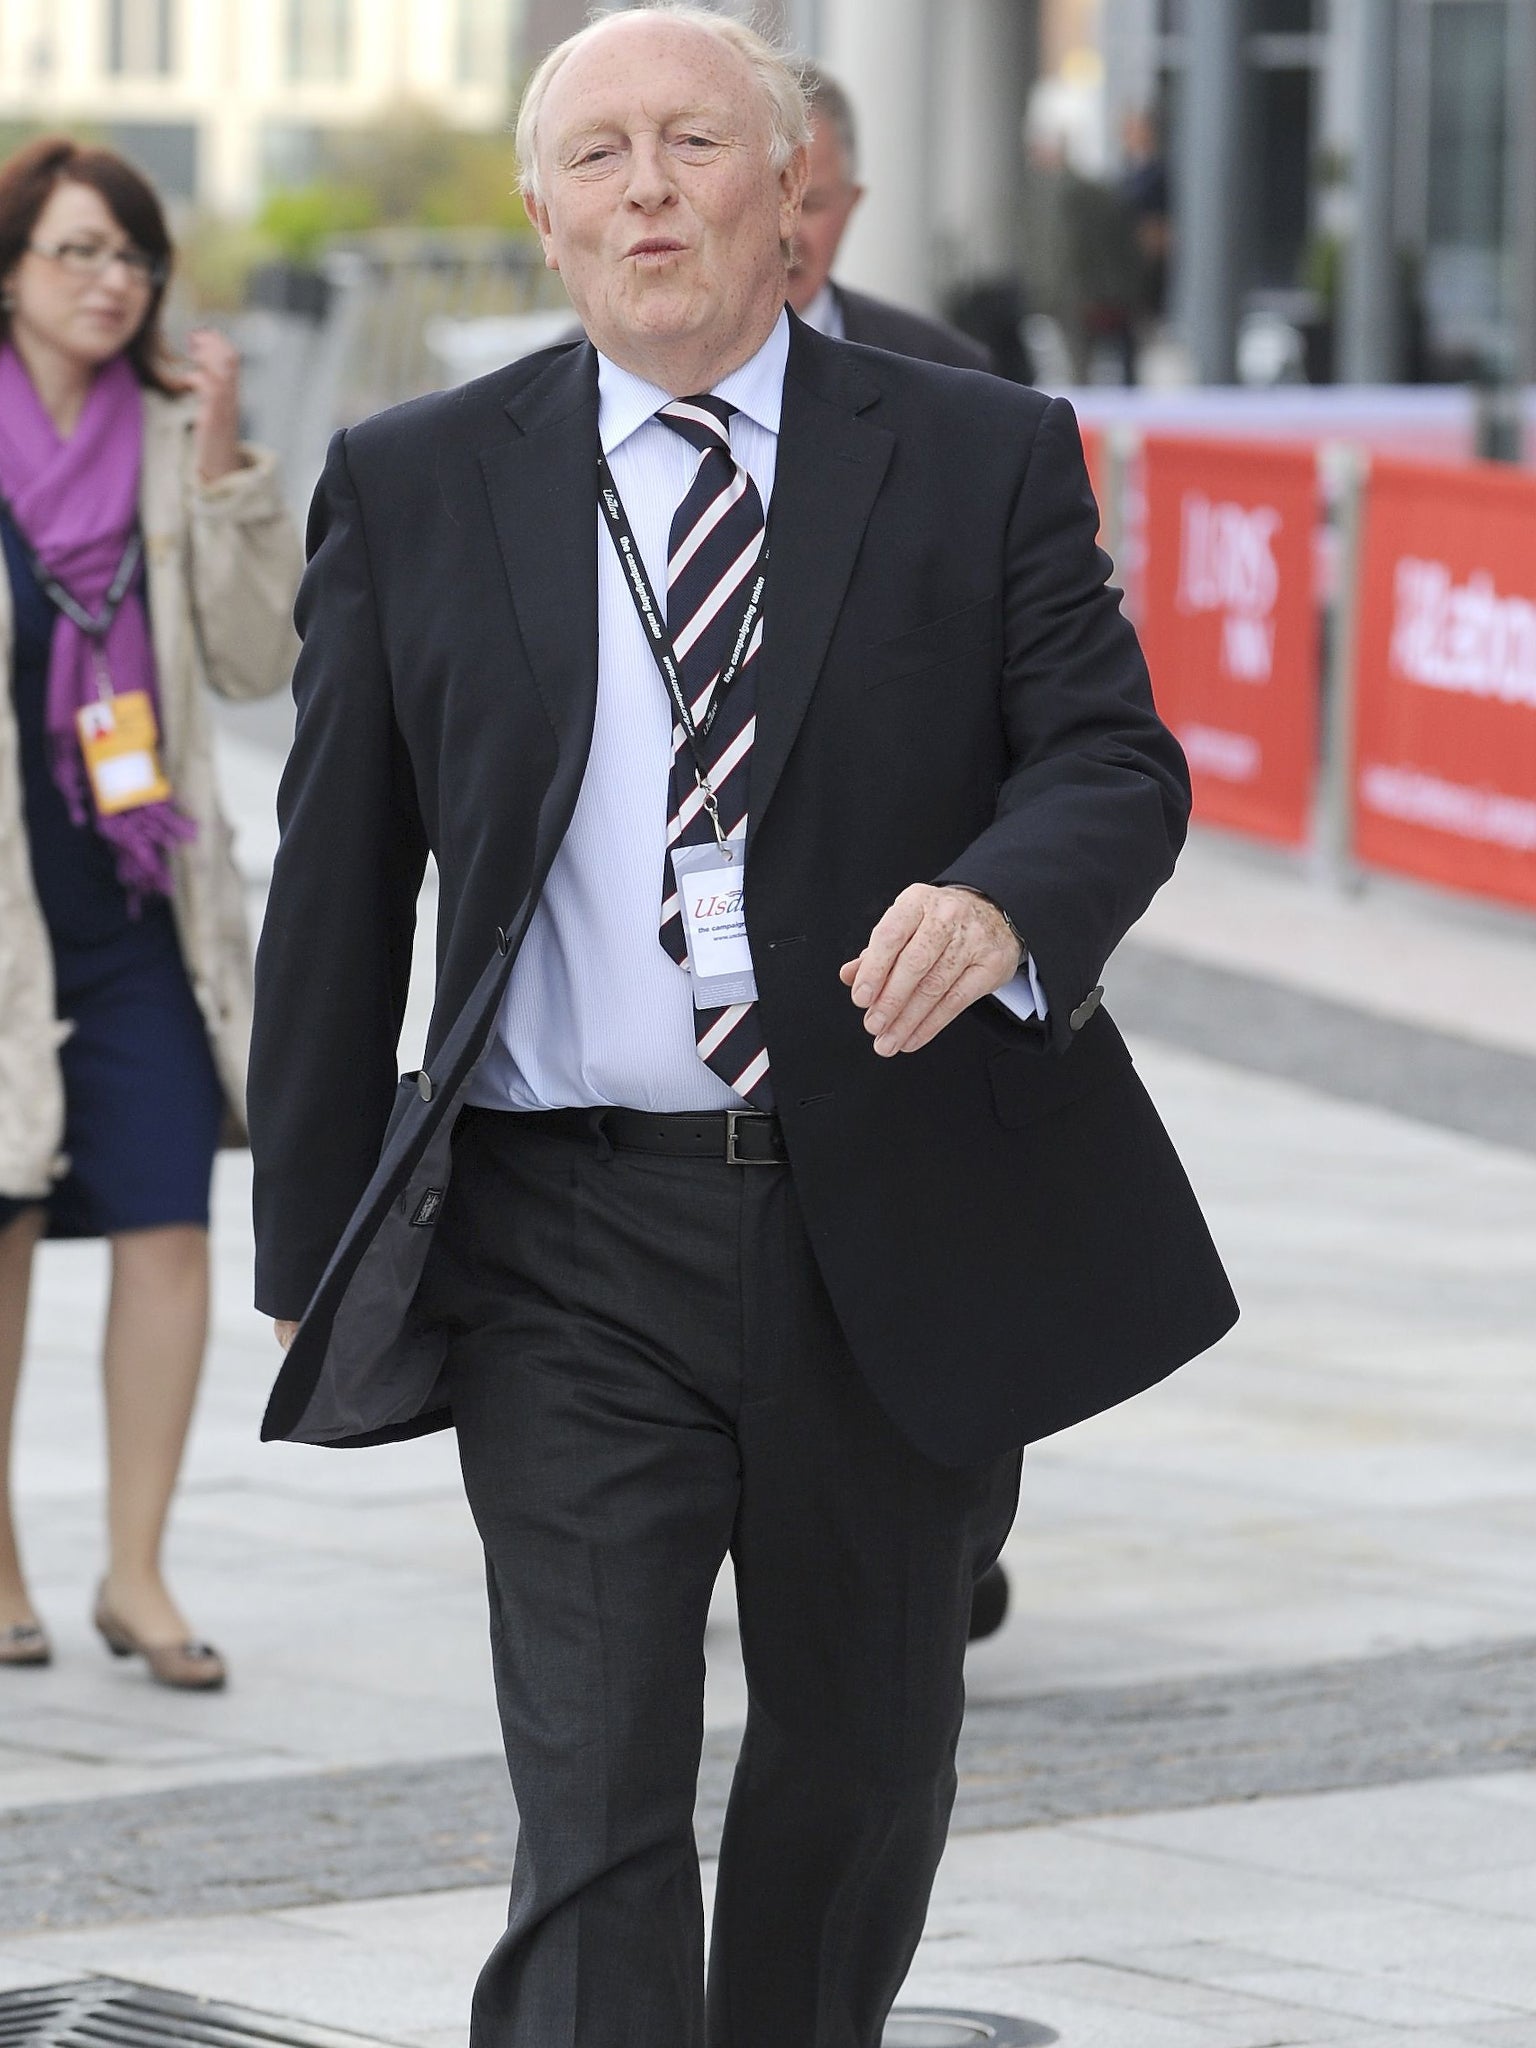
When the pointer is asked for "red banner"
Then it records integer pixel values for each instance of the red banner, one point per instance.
(1444, 772)
(1096, 455)
(1229, 620)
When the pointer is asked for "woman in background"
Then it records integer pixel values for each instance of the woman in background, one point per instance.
(146, 552)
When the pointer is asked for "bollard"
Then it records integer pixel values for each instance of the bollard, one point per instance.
(1499, 418)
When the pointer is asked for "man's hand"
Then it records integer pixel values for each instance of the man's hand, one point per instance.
(933, 954)
(286, 1332)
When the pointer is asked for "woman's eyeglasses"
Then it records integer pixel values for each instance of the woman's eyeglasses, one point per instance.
(91, 259)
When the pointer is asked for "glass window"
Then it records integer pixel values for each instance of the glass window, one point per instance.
(1284, 17)
(318, 40)
(1283, 112)
(141, 38)
(1468, 102)
(482, 43)
(290, 153)
(165, 151)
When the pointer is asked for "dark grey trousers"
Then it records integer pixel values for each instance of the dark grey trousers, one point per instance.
(646, 1374)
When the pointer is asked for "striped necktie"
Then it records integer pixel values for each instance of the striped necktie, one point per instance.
(712, 552)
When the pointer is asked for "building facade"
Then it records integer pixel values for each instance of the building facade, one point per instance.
(1380, 155)
(221, 99)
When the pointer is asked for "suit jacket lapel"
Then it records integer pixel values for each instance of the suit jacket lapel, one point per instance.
(541, 479)
(831, 464)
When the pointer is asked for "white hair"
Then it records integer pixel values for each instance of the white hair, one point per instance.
(774, 73)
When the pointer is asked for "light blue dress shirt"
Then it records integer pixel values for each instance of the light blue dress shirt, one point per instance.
(824, 313)
(595, 1012)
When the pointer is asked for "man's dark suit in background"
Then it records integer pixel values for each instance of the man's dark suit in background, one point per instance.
(878, 324)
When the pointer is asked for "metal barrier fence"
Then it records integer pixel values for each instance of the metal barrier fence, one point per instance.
(360, 336)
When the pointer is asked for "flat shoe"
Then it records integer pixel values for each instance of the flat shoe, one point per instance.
(186, 1667)
(25, 1642)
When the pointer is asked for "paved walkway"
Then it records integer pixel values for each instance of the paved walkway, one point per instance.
(1285, 1600)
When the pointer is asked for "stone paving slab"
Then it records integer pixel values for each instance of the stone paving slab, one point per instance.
(1386, 946)
(446, 1824)
(1114, 1933)
(1436, 1077)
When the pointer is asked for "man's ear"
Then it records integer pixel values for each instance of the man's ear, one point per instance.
(538, 213)
(793, 180)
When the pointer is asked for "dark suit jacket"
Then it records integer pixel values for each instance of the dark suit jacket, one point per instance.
(875, 323)
(947, 691)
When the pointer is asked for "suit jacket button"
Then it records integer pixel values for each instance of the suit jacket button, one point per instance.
(424, 1086)
(502, 941)
(1085, 1009)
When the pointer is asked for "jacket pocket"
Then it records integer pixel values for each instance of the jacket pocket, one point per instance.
(1027, 1085)
(932, 645)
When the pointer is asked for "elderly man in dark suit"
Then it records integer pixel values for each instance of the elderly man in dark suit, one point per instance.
(774, 1172)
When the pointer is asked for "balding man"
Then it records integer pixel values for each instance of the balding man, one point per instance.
(773, 1173)
(832, 196)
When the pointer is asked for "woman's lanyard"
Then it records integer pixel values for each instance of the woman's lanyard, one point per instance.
(659, 637)
(94, 625)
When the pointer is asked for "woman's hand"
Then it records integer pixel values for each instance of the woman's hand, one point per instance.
(215, 377)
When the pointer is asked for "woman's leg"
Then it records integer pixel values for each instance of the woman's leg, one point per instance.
(18, 1241)
(157, 1330)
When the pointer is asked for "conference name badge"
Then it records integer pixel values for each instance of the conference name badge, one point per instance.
(711, 893)
(121, 746)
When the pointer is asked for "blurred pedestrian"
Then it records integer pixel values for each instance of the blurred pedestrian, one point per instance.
(755, 1215)
(832, 196)
(1144, 196)
(1078, 257)
(146, 552)
(832, 193)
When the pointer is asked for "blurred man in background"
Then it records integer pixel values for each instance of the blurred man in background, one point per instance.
(831, 198)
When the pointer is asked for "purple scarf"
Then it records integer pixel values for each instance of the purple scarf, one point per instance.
(76, 503)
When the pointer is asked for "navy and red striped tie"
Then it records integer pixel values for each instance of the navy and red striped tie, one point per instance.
(712, 555)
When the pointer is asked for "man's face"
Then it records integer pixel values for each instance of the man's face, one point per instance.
(830, 197)
(660, 207)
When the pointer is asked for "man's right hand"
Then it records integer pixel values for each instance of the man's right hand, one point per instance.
(286, 1332)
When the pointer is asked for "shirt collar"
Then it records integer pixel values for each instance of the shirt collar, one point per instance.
(625, 402)
(824, 313)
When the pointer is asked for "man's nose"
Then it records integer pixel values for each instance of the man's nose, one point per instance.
(651, 183)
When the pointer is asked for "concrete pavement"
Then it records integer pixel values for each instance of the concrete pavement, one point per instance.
(1276, 1594)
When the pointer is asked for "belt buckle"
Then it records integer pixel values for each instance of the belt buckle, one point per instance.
(733, 1119)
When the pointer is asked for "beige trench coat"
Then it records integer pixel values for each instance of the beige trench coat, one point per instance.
(222, 564)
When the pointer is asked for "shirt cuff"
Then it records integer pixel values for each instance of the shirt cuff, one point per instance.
(1024, 996)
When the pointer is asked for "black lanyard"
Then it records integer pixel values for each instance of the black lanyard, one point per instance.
(659, 638)
(95, 625)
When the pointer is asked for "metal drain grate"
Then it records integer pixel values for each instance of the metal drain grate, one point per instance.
(913, 2029)
(103, 2012)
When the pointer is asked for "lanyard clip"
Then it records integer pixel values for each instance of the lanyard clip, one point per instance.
(712, 807)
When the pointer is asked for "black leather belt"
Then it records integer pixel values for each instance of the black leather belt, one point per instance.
(739, 1137)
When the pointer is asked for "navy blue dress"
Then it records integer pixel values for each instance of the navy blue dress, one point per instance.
(143, 1100)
